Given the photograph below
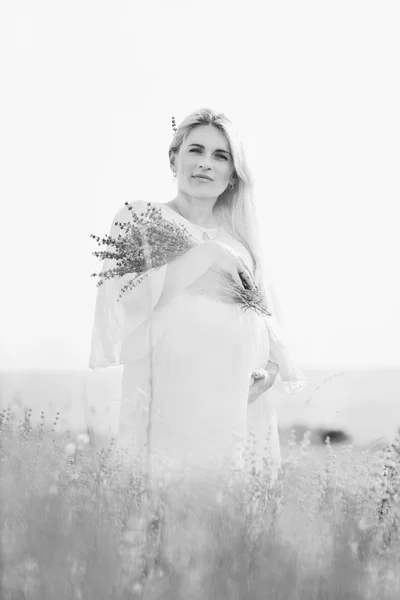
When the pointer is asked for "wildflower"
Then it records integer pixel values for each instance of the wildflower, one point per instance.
(137, 588)
(30, 565)
(354, 546)
(77, 567)
(220, 497)
(363, 524)
(82, 440)
(70, 448)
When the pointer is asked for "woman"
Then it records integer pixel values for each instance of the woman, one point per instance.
(197, 367)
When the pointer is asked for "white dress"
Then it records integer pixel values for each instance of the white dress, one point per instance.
(187, 367)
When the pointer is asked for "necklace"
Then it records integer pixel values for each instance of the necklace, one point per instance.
(203, 230)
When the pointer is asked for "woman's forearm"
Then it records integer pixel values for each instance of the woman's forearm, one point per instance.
(183, 271)
(179, 274)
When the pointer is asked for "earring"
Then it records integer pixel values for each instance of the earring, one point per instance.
(174, 172)
(231, 186)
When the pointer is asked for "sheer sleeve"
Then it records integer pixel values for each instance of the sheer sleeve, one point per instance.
(121, 329)
(291, 378)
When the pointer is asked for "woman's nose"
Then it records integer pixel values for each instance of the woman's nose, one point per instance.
(205, 160)
(205, 163)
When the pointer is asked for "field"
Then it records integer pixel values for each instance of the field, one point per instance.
(76, 523)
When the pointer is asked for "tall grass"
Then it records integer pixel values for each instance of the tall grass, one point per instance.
(76, 523)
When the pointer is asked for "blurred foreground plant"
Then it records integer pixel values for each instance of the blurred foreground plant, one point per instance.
(75, 524)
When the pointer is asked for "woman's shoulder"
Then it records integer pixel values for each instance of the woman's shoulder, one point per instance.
(137, 206)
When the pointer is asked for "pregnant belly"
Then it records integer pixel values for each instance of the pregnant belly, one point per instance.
(215, 328)
(193, 324)
(206, 315)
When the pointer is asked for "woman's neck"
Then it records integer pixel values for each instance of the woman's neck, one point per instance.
(199, 212)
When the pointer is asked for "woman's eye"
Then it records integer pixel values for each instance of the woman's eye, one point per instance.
(219, 155)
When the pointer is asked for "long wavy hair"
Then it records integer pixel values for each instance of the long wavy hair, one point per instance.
(237, 206)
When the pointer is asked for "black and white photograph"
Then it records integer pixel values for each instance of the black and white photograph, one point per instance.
(200, 292)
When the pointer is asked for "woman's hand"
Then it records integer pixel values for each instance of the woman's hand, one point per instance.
(263, 380)
(230, 261)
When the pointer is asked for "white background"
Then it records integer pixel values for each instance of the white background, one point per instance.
(87, 91)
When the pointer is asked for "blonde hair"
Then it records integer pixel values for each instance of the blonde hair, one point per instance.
(236, 206)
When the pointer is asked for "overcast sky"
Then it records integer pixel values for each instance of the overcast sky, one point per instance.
(87, 91)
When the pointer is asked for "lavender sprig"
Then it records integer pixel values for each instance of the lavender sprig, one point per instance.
(165, 240)
(249, 299)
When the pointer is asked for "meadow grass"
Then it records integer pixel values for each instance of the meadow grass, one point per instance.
(80, 523)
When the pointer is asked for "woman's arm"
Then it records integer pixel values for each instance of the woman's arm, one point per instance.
(179, 274)
(183, 271)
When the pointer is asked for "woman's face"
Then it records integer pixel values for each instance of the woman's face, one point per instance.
(204, 152)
